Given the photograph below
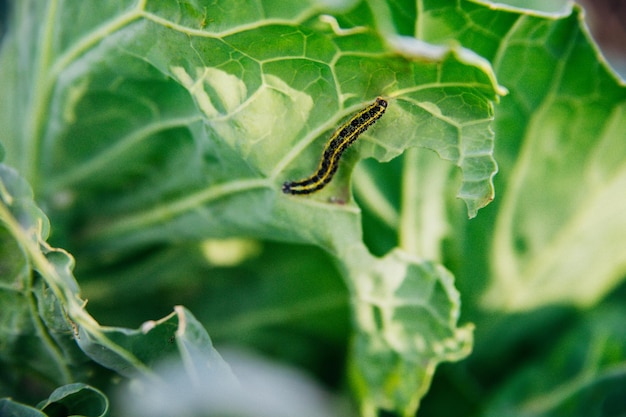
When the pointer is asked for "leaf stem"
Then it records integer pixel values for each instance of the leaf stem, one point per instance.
(41, 94)
(91, 166)
(423, 223)
(46, 77)
(21, 236)
(370, 196)
(144, 219)
(409, 223)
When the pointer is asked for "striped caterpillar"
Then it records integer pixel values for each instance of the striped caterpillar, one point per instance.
(340, 140)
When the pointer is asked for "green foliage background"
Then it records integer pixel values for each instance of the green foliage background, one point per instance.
(150, 139)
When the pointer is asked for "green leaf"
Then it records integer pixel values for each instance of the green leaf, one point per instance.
(135, 352)
(34, 339)
(224, 118)
(69, 400)
(559, 235)
(76, 400)
(582, 375)
(10, 408)
(42, 314)
(157, 122)
(407, 311)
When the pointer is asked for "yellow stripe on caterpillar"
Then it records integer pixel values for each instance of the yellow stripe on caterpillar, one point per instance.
(340, 140)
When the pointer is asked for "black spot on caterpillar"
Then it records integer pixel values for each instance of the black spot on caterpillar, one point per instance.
(340, 140)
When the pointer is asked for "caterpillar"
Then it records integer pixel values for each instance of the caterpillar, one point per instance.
(340, 140)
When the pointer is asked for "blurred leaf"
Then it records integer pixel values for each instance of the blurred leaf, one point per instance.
(69, 400)
(286, 292)
(554, 235)
(583, 375)
(262, 389)
(10, 408)
(553, 6)
(559, 236)
(76, 400)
